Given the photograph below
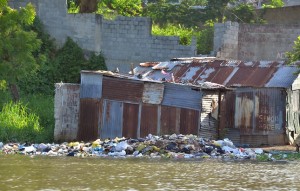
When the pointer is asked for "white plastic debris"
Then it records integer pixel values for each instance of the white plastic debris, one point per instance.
(258, 151)
(121, 146)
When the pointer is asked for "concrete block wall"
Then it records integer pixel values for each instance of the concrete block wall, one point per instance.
(226, 40)
(66, 111)
(251, 42)
(266, 42)
(123, 41)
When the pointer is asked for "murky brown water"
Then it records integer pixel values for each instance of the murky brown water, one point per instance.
(67, 173)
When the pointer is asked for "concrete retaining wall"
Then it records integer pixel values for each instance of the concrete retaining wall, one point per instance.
(253, 41)
(123, 41)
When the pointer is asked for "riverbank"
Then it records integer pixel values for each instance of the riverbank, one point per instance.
(167, 146)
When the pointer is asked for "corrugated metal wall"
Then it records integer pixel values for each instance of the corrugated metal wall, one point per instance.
(245, 110)
(122, 90)
(209, 114)
(170, 120)
(89, 119)
(130, 120)
(260, 110)
(91, 85)
(182, 96)
(227, 111)
(112, 119)
(293, 111)
(189, 120)
(153, 93)
(149, 120)
(259, 115)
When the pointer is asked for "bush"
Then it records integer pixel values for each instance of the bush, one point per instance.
(43, 107)
(185, 34)
(205, 39)
(96, 62)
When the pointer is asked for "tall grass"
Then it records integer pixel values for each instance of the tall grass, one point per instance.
(185, 34)
(16, 124)
(29, 120)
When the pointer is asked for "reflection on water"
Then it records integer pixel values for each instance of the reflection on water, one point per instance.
(67, 173)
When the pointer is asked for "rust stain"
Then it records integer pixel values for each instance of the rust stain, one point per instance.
(88, 119)
(130, 120)
(189, 120)
(149, 119)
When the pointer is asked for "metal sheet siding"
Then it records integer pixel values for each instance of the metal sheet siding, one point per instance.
(122, 90)
(233, 134)
(226, 72)
(170, 120)
(296, 83)
(189, 121)
(149, 119)
(245, 108)
(91, 85)
(209, 114)
(292, 111)
(130, 120)
(271, 111)
(89, 119)
(111, 119)
(181, 96)
(260, 111)
(227, 111)
(153, 93)
(283, 77)
(254, 140)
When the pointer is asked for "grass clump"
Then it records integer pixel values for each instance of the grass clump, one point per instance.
(18, 124)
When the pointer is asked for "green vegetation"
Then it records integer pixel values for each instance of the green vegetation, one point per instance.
(186, 19)
(30, 65)
(17, 124)
(290, 156)
(294, 55)
(274, 4)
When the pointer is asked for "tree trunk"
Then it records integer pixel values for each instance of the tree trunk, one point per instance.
(88, 6)
(14, 92)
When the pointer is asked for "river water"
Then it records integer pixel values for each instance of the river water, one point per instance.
(71, 173)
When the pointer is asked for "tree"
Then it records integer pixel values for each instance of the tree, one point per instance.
(294, 55)
(120, 7)
(215, 9)
(87, 6)
(19, 48)
(243, 13)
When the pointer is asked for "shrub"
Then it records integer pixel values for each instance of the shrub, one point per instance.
(96, 62)
(205, 39)
(185, 34)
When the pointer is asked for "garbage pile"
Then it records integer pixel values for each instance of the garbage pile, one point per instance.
(166, 146)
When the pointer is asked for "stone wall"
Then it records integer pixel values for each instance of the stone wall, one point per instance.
(252, 42)
(66, 111)
(123, 41)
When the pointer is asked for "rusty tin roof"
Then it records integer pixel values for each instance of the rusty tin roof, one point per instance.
(145, 73)
(229, 73)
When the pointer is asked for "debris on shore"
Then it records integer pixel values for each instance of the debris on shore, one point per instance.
(166, 146)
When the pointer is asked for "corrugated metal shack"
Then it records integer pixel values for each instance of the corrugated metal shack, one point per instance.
(263, 105)
(115, 105)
